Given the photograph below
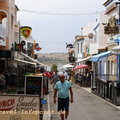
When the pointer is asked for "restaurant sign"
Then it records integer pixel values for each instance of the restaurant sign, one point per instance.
(111, 27)
(111, 30)
(19, 107)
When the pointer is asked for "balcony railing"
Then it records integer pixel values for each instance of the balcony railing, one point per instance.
(2, 35)
(109, 90)
(2, 32)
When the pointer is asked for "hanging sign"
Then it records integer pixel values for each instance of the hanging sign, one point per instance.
(23, 43)
(38, 48)
(90, 35)
(111, 27)
(25, 31)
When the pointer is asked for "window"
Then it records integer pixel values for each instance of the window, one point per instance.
(100, 67)
(108, 67)
(81, 47)
(78, 48)
(112, 68)
(105, 67)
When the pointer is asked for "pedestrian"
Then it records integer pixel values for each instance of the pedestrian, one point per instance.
(55, 78)
(66, 75)
(62, 89)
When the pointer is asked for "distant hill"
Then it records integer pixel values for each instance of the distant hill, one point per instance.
(49, 59)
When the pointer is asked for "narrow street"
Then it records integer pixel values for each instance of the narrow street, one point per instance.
(86, 106)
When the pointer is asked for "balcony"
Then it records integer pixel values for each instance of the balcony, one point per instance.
(2, 36)
(93, 48)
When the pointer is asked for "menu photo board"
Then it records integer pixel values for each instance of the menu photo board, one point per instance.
(33, 85)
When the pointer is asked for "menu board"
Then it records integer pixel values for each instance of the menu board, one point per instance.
(33, 85)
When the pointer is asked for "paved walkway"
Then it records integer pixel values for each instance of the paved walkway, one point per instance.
(86, 106)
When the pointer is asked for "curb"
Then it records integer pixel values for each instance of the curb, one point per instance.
(48, 115)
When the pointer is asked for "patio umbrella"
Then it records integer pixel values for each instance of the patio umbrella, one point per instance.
(80, 67)
(68, 66)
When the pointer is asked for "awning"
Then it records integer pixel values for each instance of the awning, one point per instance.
(33, 60)
(68, 66)
(84, 59)
(80, 67)
(96, 58)
(23, 61)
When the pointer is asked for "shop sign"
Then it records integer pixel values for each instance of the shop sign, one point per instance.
(18, 47)
(90, 35)
(23, 43)
(37, 48)
(69, 46)
(111, 30)
(19, 107)
(25, 31)
(111, 27)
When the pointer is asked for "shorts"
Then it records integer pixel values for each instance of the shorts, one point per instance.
(63, 104)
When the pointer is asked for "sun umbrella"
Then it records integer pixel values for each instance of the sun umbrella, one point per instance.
(68, 66)
(80, 67)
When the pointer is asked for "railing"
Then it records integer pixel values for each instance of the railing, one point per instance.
(115, 94)
(2, 32)
(109, 90)
(83, 81)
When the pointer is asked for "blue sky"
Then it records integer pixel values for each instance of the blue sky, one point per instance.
(53, 31)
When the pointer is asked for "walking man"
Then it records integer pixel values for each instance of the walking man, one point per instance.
(55, 78)
(62, 88)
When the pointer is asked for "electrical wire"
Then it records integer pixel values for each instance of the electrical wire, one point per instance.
(56, 14)
(53, 14)
(62, 14)
(54, 42)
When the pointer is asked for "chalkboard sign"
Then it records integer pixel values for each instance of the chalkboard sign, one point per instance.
(33, 85)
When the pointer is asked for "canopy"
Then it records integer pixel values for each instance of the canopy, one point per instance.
(25, 62)
(116, 49)
(84, 59)
(96, 58)
(80, 67)
(68, 66)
